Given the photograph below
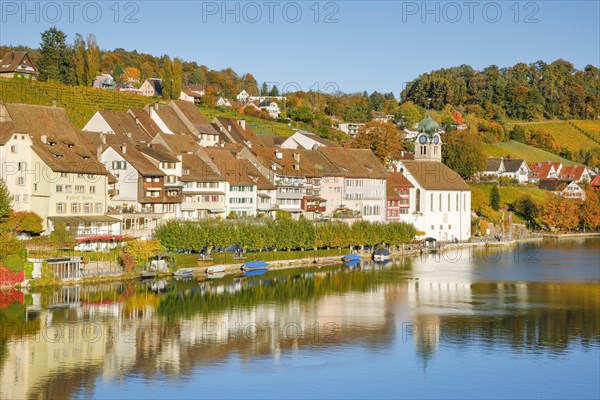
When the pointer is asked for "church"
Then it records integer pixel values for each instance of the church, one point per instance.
(440, 201)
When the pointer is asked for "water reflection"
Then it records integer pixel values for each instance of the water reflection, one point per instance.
(61, 343)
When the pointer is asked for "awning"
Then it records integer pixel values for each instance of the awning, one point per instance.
(99, 238)
(200, 192)
(84, 219)
(264, 196)
(216, 210)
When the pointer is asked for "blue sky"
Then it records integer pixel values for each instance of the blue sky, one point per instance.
(356, 45)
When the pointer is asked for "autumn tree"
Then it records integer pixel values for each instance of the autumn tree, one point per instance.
(381, 138)
(132, 75)
(92, 58)
(167, 78)
(589, 210)
(143, 250)
(177, 77)
(25, 222)
(463, 153)
(79, 60)
(560, 213)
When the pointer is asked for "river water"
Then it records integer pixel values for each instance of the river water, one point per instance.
(521, 323)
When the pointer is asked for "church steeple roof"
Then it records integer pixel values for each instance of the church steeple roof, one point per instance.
(428, 125)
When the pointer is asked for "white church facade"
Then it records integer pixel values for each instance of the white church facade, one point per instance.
(441, 200)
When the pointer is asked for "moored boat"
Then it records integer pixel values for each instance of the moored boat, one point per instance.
(215, 269)
(350, 257)
(381, 255)
(255, 272)
(147, 274)
(184, 272)
(254, 265)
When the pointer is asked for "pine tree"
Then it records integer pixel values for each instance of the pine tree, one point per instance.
(495, 198)
(55, 61)
(264, 90)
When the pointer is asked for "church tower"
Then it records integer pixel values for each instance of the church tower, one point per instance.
(428, 146)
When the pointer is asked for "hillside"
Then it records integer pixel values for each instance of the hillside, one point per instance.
(258, 125)
(80, 102)
(480, 198)
(574, 135)
(521, 150)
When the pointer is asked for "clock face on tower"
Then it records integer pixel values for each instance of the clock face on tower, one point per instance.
(436, 139)
(422, 139)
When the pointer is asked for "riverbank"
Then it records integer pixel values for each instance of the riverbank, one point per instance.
(235, 268)
(571, 235)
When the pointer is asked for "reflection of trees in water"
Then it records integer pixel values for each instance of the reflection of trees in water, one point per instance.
(524, 317)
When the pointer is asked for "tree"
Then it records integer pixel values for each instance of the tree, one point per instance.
(26, 221)
(92, 58)
(463, 153)
(527, 208)
(55, 60)
(381, 138)
(589, 209)
(79, 61)
(177, 77)
(132, 75)
(495, 198)
(274, 92)
(560, 213)
(143, 250)
(118, 73)
(167, 78)
(264, 90)
(302, 113)
(5, 200)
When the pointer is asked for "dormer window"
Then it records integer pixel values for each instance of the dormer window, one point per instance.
(59, 156)
(185, 171)
(52, 143)
(86, 158)
(69, 145)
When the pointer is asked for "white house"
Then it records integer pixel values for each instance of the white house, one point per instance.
(50, 171)
(306, 140)
(270, 107)
(507, 167)
(152, 87)
(441, 199)
(242, 97)
(223, 102)
(349, 128)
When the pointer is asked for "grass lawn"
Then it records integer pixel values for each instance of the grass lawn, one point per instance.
(480, 198)
(521, 150)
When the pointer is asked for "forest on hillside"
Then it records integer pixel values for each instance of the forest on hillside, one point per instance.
(521, 92)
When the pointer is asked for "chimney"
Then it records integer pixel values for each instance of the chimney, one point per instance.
(278, 154)
(242, 123)
(124, 148)
(44, 139)
(99, 153)
(156, 106)
(297, 157)
(229, 128)
(103, 138)
(137, 120)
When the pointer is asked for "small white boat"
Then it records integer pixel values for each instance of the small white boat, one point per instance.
(382, 255)
(184, 272)
(215, 269)
(215, 275)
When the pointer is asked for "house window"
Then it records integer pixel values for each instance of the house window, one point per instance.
(21, 166)
(13, 149)
(448, 201)
(432, 227)
(59, 188)
(431, 201)
(449, 226)
(17, 198)
(98, 208)
(87, 208)
(20, 180)
(60, 208)
(92, 189)
(68, 188)
(35, 186)
(74, 208)
(418, 201)
(440, 199)
(63, 174)
(25, 198)
(457, 209)
(79, 189)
